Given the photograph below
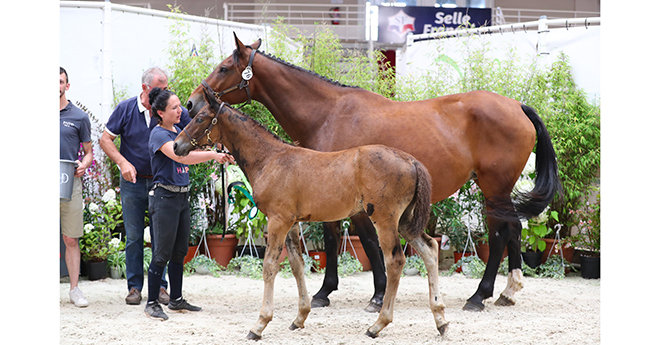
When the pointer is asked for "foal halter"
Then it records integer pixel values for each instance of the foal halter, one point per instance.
(207, 131)
(244, 84)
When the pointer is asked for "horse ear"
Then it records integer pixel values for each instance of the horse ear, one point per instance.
(239, 45)
(256, 44)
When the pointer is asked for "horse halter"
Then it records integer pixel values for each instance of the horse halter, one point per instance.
(207, 131)
(246, 75)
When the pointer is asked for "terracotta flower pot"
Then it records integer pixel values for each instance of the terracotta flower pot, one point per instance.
(458, 256)
(359, 252)
(222, 252)
(318, 257)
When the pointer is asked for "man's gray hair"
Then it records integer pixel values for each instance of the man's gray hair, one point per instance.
(150, 73)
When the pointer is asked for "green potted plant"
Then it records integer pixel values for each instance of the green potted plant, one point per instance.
(414, 265)
(313, 237)
(587, 238)
(117, 258)
(532, 234)
(95, 242)
(243, 218)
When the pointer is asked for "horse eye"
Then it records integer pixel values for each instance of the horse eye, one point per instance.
(223, 70)
(200, 120)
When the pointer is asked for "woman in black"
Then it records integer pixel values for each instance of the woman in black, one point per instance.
(168, 202)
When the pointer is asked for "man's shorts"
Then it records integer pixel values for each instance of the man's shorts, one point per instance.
(71, 213)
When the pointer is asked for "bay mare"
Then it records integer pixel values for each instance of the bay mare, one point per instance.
(292, 184)
(476, 135)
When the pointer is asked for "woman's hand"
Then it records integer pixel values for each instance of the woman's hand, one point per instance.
(224, 158)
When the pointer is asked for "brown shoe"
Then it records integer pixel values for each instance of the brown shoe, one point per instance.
(163, 296)
(134, 297)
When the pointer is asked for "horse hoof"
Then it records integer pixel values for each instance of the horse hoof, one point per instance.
(320, 303)
(442, 329)
(371, 335)
(471, 306)
(504, 301)
(373, 307)
(252, 336)
(293, 327)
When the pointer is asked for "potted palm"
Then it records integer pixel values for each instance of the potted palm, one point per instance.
(587, 238)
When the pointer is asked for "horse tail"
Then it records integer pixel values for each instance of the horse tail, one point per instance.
(547, 184)
(420, 204)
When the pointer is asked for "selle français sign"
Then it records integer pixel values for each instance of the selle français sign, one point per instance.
(395, 23)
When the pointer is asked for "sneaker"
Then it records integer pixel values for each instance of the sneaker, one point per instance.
(182, 305)
(163, 296)
(134, 297)
(155, 311)
(77, 298)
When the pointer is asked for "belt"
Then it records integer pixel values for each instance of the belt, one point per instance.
(145, 176)
(172, 188)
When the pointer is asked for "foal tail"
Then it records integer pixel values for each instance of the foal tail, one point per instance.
(531, 204)
(420, 204)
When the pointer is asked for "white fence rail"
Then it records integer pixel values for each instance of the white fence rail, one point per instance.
(578, 38)
(105, 46)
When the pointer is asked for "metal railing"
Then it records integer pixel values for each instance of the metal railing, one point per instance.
(349, 22)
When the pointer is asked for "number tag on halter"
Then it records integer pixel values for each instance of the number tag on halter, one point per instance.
(247, 73)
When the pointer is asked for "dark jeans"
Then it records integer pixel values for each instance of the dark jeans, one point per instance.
(170, 220)
(134, 201)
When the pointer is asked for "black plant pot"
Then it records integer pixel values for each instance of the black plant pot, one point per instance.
(590, 267)
(96, 270)
(532, 259)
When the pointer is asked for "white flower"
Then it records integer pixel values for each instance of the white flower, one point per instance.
(88, 227)
(109, 196)
(218, 186)
(94, 208)
(115, 242)
(530, 166)
(147, 235)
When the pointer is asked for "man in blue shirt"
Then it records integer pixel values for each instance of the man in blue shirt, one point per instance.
(75, 128)
(132, 120)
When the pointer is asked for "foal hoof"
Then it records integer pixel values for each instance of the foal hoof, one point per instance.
(293, 327)
(252, 336)
(504, 301)
(371, 335)
(373, 307)
(471, 306)
(442, 329)
(320, 303)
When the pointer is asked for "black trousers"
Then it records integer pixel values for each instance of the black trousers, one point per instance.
(170, 219)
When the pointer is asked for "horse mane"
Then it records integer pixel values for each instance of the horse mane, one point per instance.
(257, 124)
(288, 64)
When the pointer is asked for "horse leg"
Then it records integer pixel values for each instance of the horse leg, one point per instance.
(365, 229)
(331, 278)
(515, 277)
(298, 269)
(277, 231)
(394, 261)
(427, 248)
(500, 233)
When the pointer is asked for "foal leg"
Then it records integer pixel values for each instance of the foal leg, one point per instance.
(365, 229)
(427, 248)
(394, 260)
(298, 269)
(331, 279)
(277, 231)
